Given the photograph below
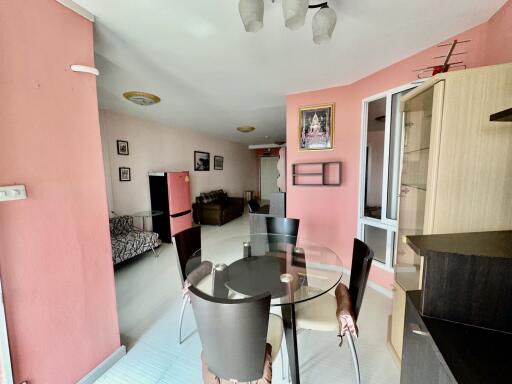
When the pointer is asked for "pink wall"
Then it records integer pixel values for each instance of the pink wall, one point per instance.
(55, 257)
(329, 215)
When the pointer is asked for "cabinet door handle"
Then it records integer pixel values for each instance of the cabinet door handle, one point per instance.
(416, 329)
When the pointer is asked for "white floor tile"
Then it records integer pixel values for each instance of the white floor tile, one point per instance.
(149, 299)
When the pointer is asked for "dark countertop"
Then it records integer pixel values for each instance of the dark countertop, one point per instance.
(473, 355)
(487, 244)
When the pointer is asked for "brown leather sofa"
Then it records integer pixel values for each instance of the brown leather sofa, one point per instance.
(216, 208)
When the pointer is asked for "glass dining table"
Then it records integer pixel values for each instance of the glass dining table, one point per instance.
(291, 269)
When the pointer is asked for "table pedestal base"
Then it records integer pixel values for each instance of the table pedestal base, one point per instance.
(290, 334)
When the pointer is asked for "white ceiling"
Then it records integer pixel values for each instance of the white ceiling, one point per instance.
(212, 76)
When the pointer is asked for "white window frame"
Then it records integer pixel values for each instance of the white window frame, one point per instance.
(390, 225)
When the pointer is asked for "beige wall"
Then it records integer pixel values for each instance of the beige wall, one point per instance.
(157, 147)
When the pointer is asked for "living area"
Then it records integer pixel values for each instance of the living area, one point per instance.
(269, 191)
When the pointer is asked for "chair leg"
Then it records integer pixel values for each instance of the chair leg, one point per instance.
(153, 249)
(183, 305)
(282, 362)
(354, 356)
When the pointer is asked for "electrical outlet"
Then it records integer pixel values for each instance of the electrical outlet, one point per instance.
(12, 192)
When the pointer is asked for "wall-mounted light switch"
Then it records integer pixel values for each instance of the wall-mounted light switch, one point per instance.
(12, 192)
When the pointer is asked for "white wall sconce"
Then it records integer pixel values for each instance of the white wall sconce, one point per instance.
(85, 69)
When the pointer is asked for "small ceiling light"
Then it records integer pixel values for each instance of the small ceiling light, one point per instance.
(245, 129)
(251, 12)
(294, 12)
(324, 22)
(141, 98)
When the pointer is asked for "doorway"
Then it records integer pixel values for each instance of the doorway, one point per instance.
(268, 176)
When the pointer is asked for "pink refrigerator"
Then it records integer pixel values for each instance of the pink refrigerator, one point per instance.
(170, 194)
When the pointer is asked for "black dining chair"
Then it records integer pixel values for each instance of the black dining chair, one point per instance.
(253, 205)
(339, 312)
(191, 269)
(239, 337)
(286, 227)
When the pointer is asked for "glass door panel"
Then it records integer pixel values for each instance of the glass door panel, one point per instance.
(376, 238)
(375, 136)
(395, 141)
(413, 183)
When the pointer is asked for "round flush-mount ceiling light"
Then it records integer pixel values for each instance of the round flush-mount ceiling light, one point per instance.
(245, 129)
(141, 98)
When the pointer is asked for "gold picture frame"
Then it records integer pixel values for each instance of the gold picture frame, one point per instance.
(316, 127)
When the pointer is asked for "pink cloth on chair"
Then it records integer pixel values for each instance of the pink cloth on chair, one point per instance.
(210, 378)
(344, 311)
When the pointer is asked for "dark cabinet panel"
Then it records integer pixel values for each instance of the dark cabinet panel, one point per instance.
(444, 352)
(421, 363)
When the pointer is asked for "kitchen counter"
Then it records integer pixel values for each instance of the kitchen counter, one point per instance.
(490, 244)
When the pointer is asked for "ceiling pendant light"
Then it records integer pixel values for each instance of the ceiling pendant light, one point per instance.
(251, 12)
(294, 12)
(324, 22)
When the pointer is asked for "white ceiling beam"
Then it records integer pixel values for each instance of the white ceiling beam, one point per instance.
(77, 9)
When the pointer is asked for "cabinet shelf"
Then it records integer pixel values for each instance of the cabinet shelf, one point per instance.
(422, 187)
(416, 150)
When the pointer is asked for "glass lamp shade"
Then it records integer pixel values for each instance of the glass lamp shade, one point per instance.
(324, 22)
(251, 12)
(294, 12)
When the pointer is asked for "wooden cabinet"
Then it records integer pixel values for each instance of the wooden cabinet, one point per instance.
(456, 167)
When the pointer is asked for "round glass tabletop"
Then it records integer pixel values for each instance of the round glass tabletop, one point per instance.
(148, 213)
(292, 270)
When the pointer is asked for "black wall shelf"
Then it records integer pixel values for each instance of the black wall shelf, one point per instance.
(317, 174)
(505, 115)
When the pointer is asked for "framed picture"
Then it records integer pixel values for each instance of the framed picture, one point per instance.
(201, 161)
(124, 174)
(218, 163)
(316, 127)
(122, 147)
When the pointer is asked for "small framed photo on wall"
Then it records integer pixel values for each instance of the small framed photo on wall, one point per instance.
(201, 161)
(316, 127)
(124, 174)
(122, 148)
(218, 163)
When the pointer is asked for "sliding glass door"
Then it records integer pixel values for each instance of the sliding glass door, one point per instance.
(381, 140)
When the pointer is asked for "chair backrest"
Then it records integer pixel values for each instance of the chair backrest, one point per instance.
(362, 257)
(288, 228)
(188, 242)
(233, 334)
(253, 205)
